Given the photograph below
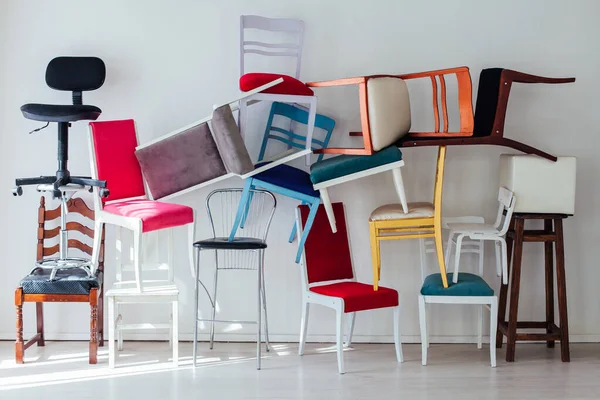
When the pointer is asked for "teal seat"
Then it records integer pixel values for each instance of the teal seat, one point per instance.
(343, 165)
(468, 285)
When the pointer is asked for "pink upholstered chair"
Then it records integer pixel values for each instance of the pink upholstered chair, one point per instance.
(112, 154)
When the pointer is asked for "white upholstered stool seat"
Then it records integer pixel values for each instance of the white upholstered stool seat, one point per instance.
(394, 211)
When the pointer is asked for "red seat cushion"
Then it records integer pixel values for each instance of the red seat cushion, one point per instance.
(289, 85)
(359, 296)
(154, 214)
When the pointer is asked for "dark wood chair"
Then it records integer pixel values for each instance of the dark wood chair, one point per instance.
(69, 285)
(490, 113)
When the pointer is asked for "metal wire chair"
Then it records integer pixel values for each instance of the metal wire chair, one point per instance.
(244, 252)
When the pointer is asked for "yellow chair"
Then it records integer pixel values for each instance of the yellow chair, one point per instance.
(423, 220)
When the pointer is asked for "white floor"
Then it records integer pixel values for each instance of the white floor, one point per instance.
(60, 371)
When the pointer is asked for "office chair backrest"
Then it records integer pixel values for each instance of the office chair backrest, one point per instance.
(327, 255)
(75, 74)
(112, 145)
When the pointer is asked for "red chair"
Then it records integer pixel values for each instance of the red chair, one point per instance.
(112, 145)
(328, 279)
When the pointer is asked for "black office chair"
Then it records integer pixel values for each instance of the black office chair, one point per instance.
(75, 74)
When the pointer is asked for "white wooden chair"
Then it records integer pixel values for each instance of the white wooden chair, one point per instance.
(291, 90)
(112, 145)
(328, 279)
(482, 231)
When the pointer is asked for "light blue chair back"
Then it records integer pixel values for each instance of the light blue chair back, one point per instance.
(292, 139)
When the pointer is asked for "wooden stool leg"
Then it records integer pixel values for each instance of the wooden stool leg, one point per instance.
(504, 288)
(549, 267)
(39, 311)
(561, 283)
(93, 326)
(514, 291)
(19, 345)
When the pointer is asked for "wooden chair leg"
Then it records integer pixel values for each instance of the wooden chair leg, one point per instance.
(503, 287)
(514, 291)
(375, 255)
(19, 345)
(561, 282)
(93, 356)
(101, 317)
(39, 310)
(549, 267)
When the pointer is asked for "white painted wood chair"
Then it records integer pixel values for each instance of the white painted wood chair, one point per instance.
(482, 231)
(291, 90)
(328, 279)
(112, 145)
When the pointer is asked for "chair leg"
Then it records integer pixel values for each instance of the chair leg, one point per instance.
(98, 225)
(311, 218)
(119, 332)
(303, 327)
(480, 327)
(243, 117)
(39, 311)
(561, 286)
(310, 127)
(493, 329)
(293, 233)
(214, 307)
(457, 258)
(439, 251)
(549, 275)
(119, 253)
(245, 197)
(258, 321)
(175, 331)
(375, 254)
(423, 258)
(192, 239)
(397, 339)
(264, 303)
(339, 337)
(481, 256)
(196, 296)
(423, 326)
(498, 255)
(19, 343)
(328, 208)
(449, 248)
(504, 257)
(137, 256)
(399, 183)
(93, 356)
(111, 332)
(350, 329)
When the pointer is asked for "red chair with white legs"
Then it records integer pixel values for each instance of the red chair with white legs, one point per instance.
(328, 279)
(112, 154)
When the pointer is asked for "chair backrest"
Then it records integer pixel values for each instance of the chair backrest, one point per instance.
(507, 200)
(222, 206)
(112, 154)
(229, 141)
(290, 138)
(287, 25)
(388, 108)
(326, 255)
(76, 74)
(80, 218)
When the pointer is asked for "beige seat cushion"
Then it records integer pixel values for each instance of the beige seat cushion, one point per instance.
(394, 211)
(389, 111)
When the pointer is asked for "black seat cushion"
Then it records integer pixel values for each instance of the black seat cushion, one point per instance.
(238, 243)
(60, 113)
(72, 281)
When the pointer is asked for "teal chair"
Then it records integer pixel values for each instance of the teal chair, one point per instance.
(284, 179)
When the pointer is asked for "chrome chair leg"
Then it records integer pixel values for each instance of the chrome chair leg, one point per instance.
(196, 295)
(264, 301)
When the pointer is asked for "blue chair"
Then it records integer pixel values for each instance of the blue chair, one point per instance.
(284, 179)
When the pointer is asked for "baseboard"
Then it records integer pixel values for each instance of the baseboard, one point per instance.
(284, 338)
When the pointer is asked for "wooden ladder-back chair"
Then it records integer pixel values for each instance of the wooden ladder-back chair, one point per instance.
(72, 285)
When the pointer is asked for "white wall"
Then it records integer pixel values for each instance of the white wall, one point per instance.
(168, 62)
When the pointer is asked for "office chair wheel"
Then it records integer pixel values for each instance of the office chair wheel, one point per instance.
(17, 191)
(104, 192)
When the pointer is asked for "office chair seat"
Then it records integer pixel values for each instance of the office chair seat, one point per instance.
(60, 113)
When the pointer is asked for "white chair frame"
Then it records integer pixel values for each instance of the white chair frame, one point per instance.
(286, 50)
(481, 231)
(138, 291)
(490, 302)
(337, 304)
